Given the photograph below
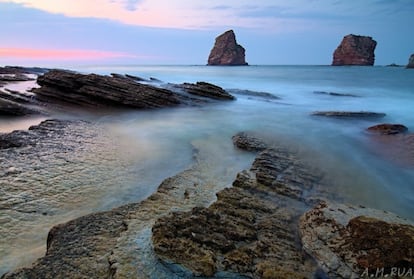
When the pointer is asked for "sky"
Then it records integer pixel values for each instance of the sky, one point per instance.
(182, 32)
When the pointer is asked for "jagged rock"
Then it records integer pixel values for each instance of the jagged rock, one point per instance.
(58, 86)
(353, 242)
(248, 142)
(350, 114)
(410, 64)
(226, 51)
(355, 50)
(97, 91)
(388, 129)
(204, 89)
(252, 227)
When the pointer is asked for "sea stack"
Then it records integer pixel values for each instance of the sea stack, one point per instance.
(411, 62)
(355, 50)
(226, 51)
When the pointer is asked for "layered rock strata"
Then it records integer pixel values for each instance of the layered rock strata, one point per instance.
(120, 91)
(226, 51)
(252, 227)
(355, 50)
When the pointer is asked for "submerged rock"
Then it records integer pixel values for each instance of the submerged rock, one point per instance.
(226, 51)
(355, 50)
(335, 94)
(410, 64)
(350, 114)
(388, 129)
(354, 242)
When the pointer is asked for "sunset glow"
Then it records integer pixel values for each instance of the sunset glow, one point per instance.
(183, 31)
(59, 54)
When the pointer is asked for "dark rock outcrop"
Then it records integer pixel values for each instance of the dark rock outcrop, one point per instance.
(98, 91)
(12, 108)
(410, 64)
(388, 129)
(58, 86)
(355, 50)
(350, 114)
(204, 89)
(357, 242)
(226, 51)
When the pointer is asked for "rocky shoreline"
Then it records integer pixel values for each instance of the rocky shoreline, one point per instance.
(64, 91)
(280, 218)
(265, 226)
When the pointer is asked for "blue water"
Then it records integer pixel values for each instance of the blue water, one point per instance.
(341, 146)
(159, 143)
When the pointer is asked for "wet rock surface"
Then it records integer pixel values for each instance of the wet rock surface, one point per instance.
(356, 242)
(205, 89)
(388, 129)
(262, 227)
(51, 173)
(252, 227)
(355, 50)
(226, 51)
(93, 90)
(116, 243)
(350, 114)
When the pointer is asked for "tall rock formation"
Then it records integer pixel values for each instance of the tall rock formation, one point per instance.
(226, 51)
(355, 50)
(411, 62)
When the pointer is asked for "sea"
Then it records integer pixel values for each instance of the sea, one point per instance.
(139, 149)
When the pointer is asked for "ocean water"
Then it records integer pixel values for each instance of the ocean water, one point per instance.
(141, 148)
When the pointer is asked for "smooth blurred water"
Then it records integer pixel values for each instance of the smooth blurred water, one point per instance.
(141, 148)
(341, 145)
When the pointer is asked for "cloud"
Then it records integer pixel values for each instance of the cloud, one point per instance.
(61, 54)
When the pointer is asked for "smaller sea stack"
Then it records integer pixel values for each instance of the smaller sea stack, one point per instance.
(410, 64)
(226, 51)
(355, 50)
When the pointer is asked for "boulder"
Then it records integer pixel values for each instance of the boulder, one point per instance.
(355, 50)
(226, 51)
(357, 242)
(410, 64)
(388, 129)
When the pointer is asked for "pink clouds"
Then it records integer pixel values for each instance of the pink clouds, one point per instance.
(61, 54)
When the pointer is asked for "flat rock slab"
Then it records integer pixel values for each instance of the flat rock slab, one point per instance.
(350, 114)
(357, 242)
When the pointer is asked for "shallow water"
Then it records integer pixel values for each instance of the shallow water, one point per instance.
(127, 154)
